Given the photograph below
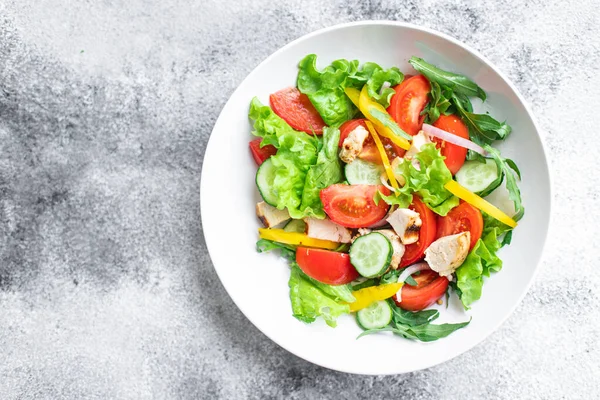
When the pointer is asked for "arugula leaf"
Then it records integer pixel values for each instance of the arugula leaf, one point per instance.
(428, 181)
(309, 301)
(287, 251)
(439, 103)
(483, 129)
(508, 166)
(325, 88)
(410, 281)
(416, 326)
(327, 171)
(458, 83)
(410, 318)
(390, 277)
(365, 284)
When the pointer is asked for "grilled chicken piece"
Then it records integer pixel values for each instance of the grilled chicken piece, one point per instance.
(326, 229)
(407, 224)
(269, 215)
(448, 253)
(353, 144)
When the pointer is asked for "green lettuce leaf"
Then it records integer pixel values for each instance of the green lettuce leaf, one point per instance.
(327, 171)
(428, 181)
(309, 301)
(480, 262)
(325, 88)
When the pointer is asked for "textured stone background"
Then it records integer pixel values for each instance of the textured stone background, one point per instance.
(106, 289)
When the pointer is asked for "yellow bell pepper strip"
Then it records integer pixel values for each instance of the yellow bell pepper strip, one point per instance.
(299, 239)
(378, 115)
(383, 154)
(382, 120)
(364, 297)
(465, 194)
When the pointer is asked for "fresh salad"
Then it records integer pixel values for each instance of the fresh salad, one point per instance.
(374, 185)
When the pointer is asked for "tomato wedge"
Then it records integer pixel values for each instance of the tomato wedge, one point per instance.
(416, 251)
(369, 151)
(296, 109)
(461, 218)
(353, 206)
(326, 266)
(408, 103)
(260, 154)
(455, 155)
(430, 287)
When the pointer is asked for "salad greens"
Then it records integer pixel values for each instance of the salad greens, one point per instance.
(427, 181)
(417, 325)
(325, 88)
(302, 166)
(309, 301)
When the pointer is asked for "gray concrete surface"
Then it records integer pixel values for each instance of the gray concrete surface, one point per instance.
(106, 289)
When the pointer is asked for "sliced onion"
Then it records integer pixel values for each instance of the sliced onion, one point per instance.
(408, 271)
(385, 85)
(454, 139)
(384, 182)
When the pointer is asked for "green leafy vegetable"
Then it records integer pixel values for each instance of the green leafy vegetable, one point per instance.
(304, 164)
(287, 251)
(309, 301)
(390, 277)
(325, 88)
(508, 166)
(428, 181)
(365, 284)
(439, 103)
(410, 281)
(458, 83)
(327, 171)
(417, 326)
(483, 129)
(480, 262)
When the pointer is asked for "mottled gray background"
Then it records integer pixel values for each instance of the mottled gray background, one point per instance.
(106, 289)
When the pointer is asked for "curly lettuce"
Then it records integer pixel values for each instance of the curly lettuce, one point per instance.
(325, 88)
(304, 164)
(311, 299)
(427, 181)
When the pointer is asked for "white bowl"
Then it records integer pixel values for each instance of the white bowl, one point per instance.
(257, 283)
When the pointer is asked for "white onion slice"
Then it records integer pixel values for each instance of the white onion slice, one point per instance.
(385, 85)
(452, 138)
(384, 182)
(408, 271)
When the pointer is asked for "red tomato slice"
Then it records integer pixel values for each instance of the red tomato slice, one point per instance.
(260, 154)
(326, 266)
(369, 151)
(352, 206)
(461, 218)
(296, 109)
(455, 155)
(430, 287)
(408, 102)
(416, 251)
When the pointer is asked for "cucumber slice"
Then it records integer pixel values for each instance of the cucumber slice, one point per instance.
(295, 225)
(479, 177)
(264, 181)
(371, 254)
(376, 315)
(363, 172)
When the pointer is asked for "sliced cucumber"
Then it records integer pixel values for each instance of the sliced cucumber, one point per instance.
(295, 225)
(264, 181)
(479, 177)
(375, 316)
(371, 254)
(363, 172)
